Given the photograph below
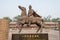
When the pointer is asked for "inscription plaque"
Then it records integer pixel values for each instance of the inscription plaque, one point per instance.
(29, 36)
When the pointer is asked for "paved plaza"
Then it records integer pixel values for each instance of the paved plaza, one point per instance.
(53, 35)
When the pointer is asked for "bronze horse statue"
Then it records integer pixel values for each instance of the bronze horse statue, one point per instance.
(31, 18)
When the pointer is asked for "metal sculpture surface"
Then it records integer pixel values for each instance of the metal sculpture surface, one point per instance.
(23, 18)
(31, 18)
(34, 18)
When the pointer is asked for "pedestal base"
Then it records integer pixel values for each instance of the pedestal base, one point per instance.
(42, 36)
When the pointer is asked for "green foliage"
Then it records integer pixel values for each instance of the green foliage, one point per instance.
(55, 19)
(17, 18)
(49, 19)
(7, 18)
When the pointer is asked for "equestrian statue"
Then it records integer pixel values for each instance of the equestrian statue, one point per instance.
(31, 18)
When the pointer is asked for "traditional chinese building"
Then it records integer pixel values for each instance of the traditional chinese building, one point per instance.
(47, 25)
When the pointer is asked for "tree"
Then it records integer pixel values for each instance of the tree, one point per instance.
(17, 18)
(47, 19)
(7, 18)
(55, 19)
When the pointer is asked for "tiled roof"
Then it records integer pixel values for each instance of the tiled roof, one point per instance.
(12, 22)
(44, 22)
(50, 22)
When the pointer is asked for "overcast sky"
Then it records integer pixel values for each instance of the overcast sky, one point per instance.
(42, 7)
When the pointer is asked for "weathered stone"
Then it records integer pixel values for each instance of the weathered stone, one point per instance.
(4, 26)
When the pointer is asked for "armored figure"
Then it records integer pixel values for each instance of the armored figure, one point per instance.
(30, 15)
(33, 18)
